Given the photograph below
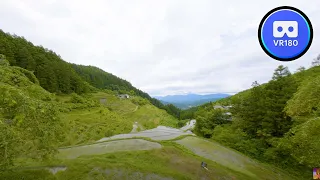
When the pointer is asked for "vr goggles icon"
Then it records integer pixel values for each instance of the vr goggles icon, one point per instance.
(285, 27)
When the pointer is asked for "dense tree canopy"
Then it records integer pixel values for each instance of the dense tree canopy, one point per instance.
(262, 112)
(54, 74)
(275, 122)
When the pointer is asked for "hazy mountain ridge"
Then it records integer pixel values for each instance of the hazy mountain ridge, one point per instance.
(190, 100)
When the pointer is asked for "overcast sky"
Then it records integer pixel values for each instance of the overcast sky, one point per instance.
(161, 46)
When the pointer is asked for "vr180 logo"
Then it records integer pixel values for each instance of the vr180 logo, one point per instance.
(285, 33)
(289, 28)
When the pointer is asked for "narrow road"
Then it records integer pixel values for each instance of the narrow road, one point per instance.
(189, 125)
(159, 133)
(134, 127)
(135, 109)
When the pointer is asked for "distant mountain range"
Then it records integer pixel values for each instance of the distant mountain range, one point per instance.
(190, 100)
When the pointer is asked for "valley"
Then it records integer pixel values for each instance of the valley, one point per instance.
(96, 143)
(65, 121)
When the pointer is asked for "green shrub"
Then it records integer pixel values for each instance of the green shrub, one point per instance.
(208, 121)
(4, 61)
(41, 174)
(28, 124)
(182, 123)
(75, 98)
(80, 102)
(108, 133)
(302, 143)
(305, 101)
(139, 101)
(237, 139)
(29, 75)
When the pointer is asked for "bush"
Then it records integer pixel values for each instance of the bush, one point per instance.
(182, 123)
(29, 75)
(75, 98)
(208, 121)
(237, 139)
(3, 61)
(29, 126)
(108, 133)
(81, 102)
(301, 143)
(139, 101)
(306, 100)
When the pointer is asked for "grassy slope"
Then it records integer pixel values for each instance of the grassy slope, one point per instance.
(171, 161)
(232, 159)
(115, 116)
(147, 115)
(92, 124)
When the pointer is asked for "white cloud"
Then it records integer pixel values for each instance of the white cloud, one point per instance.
(162, 47)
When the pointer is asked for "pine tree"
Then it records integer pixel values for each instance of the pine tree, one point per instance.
(300, 69)
(278, 92)
(280, 72)
(251, 110)
(316, 61)
(24, 59)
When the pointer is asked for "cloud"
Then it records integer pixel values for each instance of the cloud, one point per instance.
(162, 47)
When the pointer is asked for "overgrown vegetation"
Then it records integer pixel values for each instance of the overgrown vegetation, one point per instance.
(29, 122)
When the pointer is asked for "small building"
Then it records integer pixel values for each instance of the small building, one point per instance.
(222, 107)
(124, 96)
(218, 107)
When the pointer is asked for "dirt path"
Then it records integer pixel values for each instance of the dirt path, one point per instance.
(135, 109)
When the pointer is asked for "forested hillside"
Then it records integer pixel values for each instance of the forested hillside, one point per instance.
(276, 122)
(104, 80)
(54, 74)
(57, 76)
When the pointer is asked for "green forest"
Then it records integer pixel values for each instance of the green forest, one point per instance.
(60, 77)
(276, 122)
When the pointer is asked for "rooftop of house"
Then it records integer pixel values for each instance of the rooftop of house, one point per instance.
(221, 107)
